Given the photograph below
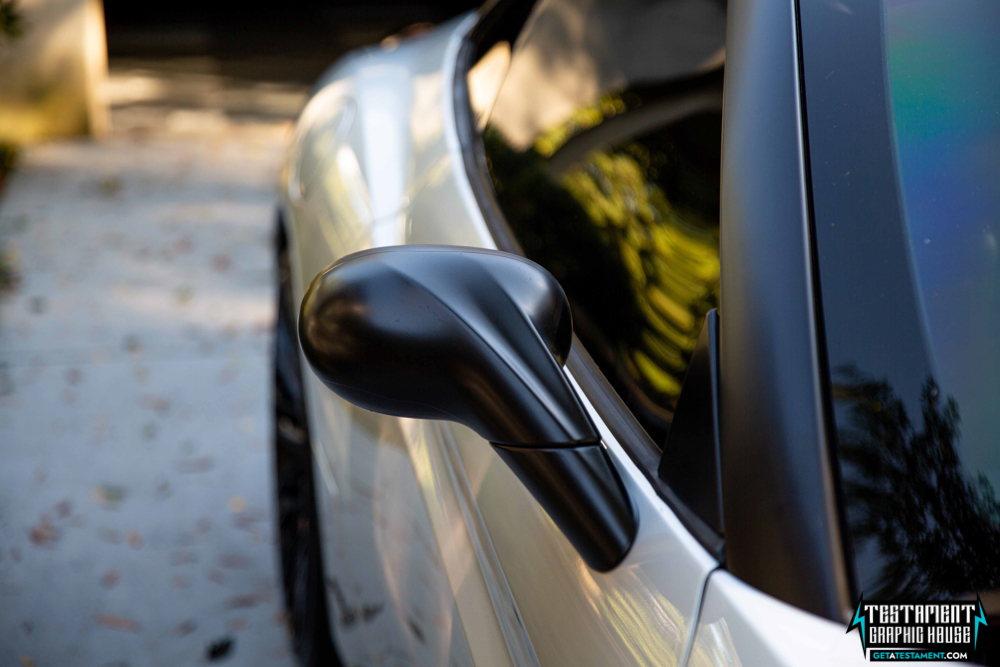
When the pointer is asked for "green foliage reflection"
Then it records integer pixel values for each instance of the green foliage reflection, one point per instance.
(631, 232)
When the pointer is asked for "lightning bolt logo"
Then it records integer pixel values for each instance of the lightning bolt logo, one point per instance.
(980, 620)
(859, 622)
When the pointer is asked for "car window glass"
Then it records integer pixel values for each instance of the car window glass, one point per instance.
(905, 200)
(603, 145)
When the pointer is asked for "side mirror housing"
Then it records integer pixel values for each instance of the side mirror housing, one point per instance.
(478, 337)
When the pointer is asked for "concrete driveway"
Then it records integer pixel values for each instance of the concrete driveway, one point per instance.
(136, 483)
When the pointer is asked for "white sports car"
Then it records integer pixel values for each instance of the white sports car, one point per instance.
(577, 365)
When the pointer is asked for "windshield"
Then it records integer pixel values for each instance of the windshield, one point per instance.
(903, 121)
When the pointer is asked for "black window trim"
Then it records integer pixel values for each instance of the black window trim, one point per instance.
(619, 419)
(781, 516)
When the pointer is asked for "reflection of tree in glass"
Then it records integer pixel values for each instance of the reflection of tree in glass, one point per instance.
(937, 534)
(582, 119)
(632, 235)
(673, 265)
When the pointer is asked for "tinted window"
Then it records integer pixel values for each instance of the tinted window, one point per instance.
(904, 135)
(604, 149)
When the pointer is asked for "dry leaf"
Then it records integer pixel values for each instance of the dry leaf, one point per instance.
(118, 622)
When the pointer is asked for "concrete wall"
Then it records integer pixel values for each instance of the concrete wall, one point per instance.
(52, 77)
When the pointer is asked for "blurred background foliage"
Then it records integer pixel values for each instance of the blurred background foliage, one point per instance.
(11, 24)
(11, 27)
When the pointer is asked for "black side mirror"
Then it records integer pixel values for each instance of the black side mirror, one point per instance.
(477, 337)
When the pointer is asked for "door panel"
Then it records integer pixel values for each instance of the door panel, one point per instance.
(492, 622)
(346, 184)
(390, 600)
(424, 519)
(739, 625)
(559, 611)
(603, 149)
(640, 613)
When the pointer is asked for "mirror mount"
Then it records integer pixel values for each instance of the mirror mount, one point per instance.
(478, 337)
(690, 463)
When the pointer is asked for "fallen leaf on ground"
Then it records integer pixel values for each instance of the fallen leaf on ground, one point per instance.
(110, 578)
(109, 186)
(184, 294)
(183, 245)
(118, 622)
(155, 403)
(195, 465)
(234, 562)
(132, 343)
(107, 494)
(221, 262)
(186, 627)
(243, 601)
(63, 508)
(43, 534)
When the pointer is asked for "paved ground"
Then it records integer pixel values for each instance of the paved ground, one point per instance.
(136, 492)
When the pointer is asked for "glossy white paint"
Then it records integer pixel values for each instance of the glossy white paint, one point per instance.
(349, 173)
(517, 584)
(739, 625)
(521, 592)
(423, 518)
(640, 613)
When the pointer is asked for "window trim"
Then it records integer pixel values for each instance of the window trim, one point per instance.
(617, 417)
(474, 153)
(782, 522)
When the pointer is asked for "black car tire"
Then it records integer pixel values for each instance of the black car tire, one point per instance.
(301, 561)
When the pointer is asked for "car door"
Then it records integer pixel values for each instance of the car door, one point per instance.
(345, 186)
(478, 571)
(598, 158)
